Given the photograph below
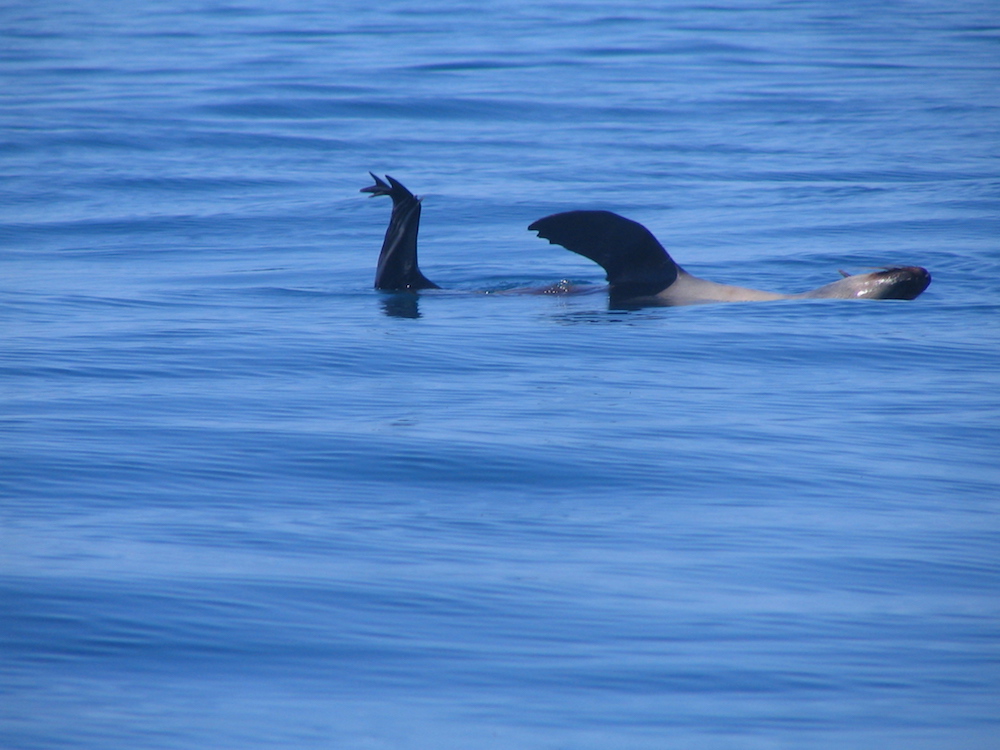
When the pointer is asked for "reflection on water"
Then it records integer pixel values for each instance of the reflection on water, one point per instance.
(401, 305)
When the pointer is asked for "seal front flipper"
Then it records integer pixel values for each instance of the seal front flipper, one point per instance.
(397, 263)
(635, 262)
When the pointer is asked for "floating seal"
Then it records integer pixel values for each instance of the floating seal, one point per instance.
(639, 271)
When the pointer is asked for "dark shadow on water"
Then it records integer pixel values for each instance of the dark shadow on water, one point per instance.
(610, 315)
(401, 305)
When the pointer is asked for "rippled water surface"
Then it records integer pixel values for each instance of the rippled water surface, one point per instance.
(249, 502)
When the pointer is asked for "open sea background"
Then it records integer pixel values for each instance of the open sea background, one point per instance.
(249, 502)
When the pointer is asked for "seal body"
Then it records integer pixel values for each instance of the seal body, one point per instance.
(641, 272)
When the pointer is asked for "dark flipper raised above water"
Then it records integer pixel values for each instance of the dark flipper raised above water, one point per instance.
(632, 257)
(397, 263)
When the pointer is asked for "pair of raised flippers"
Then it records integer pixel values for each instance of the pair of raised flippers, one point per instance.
(639, 270)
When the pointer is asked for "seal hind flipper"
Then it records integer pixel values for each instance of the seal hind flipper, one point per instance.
(397, 268)
(632, 257)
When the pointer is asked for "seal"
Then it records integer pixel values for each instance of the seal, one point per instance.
(639, 270)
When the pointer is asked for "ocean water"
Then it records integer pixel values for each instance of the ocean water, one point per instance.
(249, 502)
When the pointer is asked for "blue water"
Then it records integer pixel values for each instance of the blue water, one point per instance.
(249, 502)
